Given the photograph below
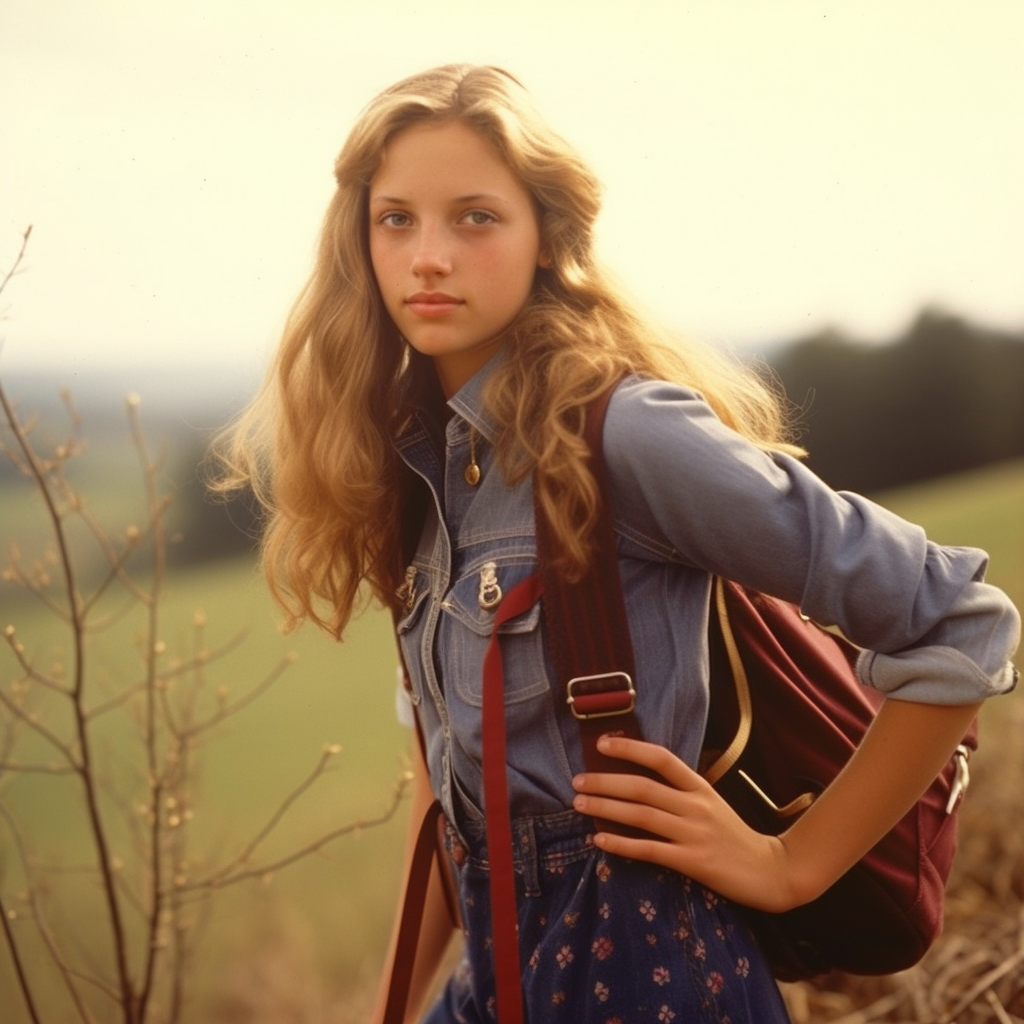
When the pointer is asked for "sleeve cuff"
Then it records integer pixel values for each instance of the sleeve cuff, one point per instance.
(933, 675)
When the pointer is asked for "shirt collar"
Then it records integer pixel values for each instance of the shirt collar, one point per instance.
(467, 402)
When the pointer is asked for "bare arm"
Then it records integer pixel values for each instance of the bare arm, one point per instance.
(437, 928)
(901, 754)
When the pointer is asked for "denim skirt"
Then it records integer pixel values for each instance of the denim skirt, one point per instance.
(603, 940)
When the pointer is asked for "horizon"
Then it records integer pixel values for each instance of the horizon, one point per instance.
(180, 391)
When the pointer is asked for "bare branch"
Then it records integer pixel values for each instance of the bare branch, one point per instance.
(222, 879)
(278, 814)
(19, 968)
(33, 722)
(17, 259)
(31, 672)
(156, 507)
(14, 574)
(135, 539)
(228, 710)
(116, 561)
(118, 700)
(97, 828)
(67, 973)
(203, 658)
(112, 618)
(180, 668)
(983, 985)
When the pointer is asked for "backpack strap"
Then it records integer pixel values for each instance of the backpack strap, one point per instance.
(424, 853)
(504, 916)
(429, 848)
(587, 628)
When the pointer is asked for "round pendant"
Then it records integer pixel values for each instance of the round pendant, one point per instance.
(472, 474)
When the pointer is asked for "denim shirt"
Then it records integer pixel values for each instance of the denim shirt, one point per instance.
(689, 498)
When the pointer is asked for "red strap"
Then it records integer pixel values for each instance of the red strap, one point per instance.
(504, 918)
(429, 844)
(587, 627)
(447, 879)
(588, 632)
(412, 915)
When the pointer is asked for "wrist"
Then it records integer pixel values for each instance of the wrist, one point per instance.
(799, 876)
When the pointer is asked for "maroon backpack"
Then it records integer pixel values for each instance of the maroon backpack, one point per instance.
(786, 712)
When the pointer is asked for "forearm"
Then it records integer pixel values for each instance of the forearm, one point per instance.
(437, 927)
(904, 750)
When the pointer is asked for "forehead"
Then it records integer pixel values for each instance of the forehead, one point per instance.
(438, 159)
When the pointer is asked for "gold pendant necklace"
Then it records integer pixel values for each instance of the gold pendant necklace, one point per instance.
(471, 474)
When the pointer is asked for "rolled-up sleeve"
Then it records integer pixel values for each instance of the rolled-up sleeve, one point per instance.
(967, 652)
(687, 488)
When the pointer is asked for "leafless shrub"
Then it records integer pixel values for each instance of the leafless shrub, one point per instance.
(112, 938)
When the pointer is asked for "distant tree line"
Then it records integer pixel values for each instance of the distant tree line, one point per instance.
(211, 527)
(945, 397)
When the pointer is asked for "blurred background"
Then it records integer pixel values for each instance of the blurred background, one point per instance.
(833, 189)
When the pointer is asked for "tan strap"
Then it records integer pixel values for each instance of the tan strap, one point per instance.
(732, 753)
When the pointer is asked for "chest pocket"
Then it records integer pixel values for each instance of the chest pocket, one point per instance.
(465, 631)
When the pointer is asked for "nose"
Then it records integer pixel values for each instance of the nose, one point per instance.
(432, 255)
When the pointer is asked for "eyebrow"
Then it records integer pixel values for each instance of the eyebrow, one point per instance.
(475, 197)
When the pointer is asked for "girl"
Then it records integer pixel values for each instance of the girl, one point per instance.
(434, 372)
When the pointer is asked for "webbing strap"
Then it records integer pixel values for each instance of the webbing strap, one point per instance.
(587, 627)
(412, 915)
(504, 918)
(588, 632)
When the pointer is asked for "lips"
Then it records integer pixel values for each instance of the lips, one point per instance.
(431, 304)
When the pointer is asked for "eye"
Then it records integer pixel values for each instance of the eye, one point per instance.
(394, 219)
(479, 217)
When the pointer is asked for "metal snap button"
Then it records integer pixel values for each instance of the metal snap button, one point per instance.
(490, 594)
(406, 592)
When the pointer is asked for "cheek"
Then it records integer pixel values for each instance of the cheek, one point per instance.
(384, 274)
(510, 263)
(377, 262)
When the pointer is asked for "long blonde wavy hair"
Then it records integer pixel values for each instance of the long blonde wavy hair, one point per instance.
(317, 443)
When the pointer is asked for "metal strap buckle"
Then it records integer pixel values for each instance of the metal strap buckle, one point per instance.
(961, 778)
(602, 702)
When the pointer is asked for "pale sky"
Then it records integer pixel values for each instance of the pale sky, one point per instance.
(770, 167)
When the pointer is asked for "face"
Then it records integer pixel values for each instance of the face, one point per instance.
(455, 245)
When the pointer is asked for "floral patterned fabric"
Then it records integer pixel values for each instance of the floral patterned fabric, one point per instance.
(605, 940)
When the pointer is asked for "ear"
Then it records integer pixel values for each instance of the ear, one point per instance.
(544, 259)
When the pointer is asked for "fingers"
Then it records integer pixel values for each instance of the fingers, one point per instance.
(672, 811)
(651, 818)
(637, 800)
(650, 755)
(658, 759)
(623, 786)
(651, 850)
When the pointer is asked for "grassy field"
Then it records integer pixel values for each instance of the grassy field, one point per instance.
(307, 942)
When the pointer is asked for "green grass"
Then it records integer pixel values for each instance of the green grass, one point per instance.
(335, 907)
(983, 508)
